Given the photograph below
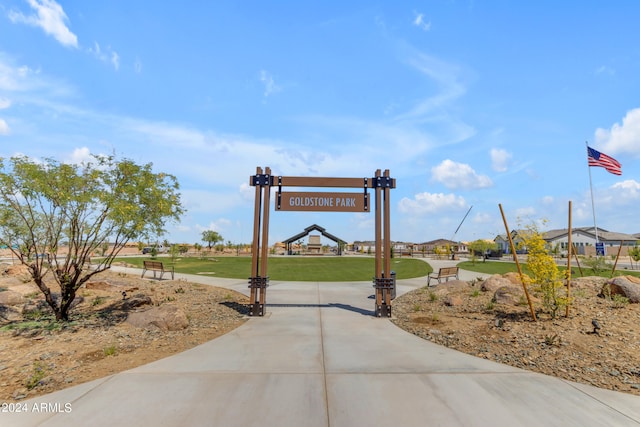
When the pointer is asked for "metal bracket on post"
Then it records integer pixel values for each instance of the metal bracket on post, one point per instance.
(383, 182)
(257, 309)
(261, 180)
(366, 194)
(384, 285)
(279, 201)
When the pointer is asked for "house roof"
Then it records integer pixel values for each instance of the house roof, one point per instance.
(440, 242)
(603, 234)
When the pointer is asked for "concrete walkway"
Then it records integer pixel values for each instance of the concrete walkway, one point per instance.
(319, 358)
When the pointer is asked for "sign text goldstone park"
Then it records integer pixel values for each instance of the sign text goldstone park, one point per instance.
(322, 202)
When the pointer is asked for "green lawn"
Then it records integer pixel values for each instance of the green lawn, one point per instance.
(501, 267)
(293, 268)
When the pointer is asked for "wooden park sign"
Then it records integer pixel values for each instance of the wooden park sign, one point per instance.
(379, 184)
(321, 202)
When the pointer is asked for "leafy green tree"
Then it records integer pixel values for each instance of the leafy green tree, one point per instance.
(211, 237)
(481, 247)
(634, 254)
(174, 252)
(87, 206)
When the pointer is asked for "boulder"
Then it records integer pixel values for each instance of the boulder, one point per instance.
(10, 297)
(454, 285)
(453, 300)
(494, 283)
(513, 278)
(508, 295)
(622, 286)
(98, 285)
(633, 279)
(20, 271)
(167, 317)
(135, 301)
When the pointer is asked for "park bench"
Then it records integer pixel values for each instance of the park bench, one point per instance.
(443, 273)
(156, 266)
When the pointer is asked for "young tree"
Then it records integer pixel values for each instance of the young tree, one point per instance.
(211, 237)
(481, 247)
(544, 271)
(634, 254)
(86, 206)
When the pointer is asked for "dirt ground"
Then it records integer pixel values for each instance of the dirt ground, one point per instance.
(461, 316)
(38, 357)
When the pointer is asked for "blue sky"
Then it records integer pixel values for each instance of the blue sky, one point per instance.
(467, 103)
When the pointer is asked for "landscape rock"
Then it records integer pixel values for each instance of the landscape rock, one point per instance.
(454, 285)
(513, 278)
(98, 285)
(494, 282)
(10, 297)
(167, 317)
(509, 295)
(135, 301)
(20, 271)
(622, 286)
(453, 301)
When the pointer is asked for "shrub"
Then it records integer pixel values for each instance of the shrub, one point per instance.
(545, 275)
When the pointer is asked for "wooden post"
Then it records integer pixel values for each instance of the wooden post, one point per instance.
(260, 255)
(569, 246)
(255, 248)
(265, 240)
(615, 264)
(378, 232)
(575, 255)
(387, 243)
(515, 258)
(320, 201)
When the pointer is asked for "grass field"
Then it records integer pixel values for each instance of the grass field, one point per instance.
(293, 268)
(501, 267)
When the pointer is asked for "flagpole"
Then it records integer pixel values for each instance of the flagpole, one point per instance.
(593, 206)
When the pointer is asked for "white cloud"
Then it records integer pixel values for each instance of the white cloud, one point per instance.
(110, 56)
(80, 155)
(627, 190)
(459, 175)
(621, 137)
(115, 60)
(428, 203)
(50, 17)
(421, 23)
(14, 78)
(270, 86)
(436, 109)
(500, 160)
(4, 127)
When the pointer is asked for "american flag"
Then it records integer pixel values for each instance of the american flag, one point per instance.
(597, 158)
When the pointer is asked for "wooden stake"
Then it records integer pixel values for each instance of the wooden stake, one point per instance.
(617, 256)
(515, 258)
(570, 246)
(575, 255)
